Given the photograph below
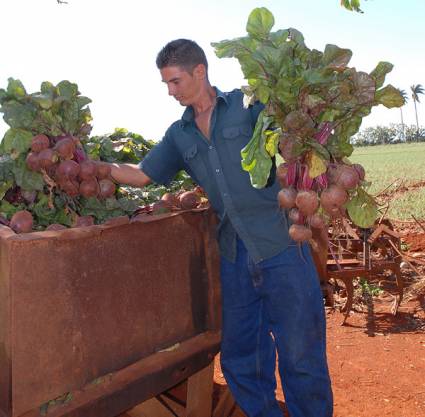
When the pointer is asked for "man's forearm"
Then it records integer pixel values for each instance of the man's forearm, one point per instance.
(129, 174)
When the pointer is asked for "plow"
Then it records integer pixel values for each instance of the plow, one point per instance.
(354, 253)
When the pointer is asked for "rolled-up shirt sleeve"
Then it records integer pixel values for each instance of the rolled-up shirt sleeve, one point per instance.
(163, 161)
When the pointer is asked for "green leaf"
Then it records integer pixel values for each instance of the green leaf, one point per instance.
(16, 89)
(83, 101)
(18, 115)
(338, 148)
(235, 47)
(8, 210)
(67, 90)
(3, 95)
(329, 115)
(4, 186)
(362, 209)
(316, 164)
(379, 73)
(320, 149)
(272, 141)
(260, 22)
(335, 57)
(45, 101)
(364, 88)
(263, 93)
(6, 168)
(46, 215)
(26, 179)
(279, 37)
(255, 158)
(347, 129)
(296, 37)
(17, 141)
(129, 206)
(270, 58)
(47, 88)
(389, 96)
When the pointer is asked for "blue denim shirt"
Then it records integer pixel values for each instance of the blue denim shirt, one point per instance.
(215, 164)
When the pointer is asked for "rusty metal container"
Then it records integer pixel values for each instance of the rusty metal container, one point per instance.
(111, 314)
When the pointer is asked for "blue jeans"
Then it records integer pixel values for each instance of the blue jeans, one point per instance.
(275, 305)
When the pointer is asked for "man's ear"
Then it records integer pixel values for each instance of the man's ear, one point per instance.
(200, 72)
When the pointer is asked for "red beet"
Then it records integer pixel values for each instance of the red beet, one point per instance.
(68, 169)
(286, 198)
(307, 202)
(171, 200)
(89, 188)
(317, 221)
(107, 188)
(333, 197)
(33, 162)
(295, 216)
(84, 221)
(39, 142)
(65, 148)
(47, 158)
(281, 172)
(21, 222)
(300, 233)
(347, 177)
(287, 144)
(103, 170)
(88, 170)
(332, 173)
(189, 200)
(70, 186)
(29, 196)
(360, 171)
(79, 154)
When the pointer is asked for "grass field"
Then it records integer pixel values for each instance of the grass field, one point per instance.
(403, 166)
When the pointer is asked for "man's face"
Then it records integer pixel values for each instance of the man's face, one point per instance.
(183, 86)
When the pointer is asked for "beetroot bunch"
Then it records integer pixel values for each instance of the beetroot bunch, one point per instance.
(63, 160)
(314, 103)
(313, 202)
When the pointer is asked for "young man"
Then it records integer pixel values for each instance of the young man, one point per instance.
(271, 297)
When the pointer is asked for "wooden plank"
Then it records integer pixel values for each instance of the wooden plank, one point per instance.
(199, 393)
(154, 408)
(350, 261)
(225, 405)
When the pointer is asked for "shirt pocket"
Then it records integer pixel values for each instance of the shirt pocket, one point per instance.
(236, 138)
(196, 167)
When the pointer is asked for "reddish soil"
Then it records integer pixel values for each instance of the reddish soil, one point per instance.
(377, 360)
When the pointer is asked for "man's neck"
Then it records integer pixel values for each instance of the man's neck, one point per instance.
(205, 100)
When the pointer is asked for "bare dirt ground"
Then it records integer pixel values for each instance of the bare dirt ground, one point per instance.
(377, 360)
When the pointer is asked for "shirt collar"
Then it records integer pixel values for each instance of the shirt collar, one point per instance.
(188, 114)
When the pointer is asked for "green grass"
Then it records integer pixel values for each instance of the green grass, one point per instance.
(401, 164)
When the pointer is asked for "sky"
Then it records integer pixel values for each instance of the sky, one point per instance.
(109, 47)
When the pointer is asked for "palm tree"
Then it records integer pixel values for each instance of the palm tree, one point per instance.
(416, 90)
(405, 98)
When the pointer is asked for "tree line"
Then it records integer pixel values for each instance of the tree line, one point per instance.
(394, 133)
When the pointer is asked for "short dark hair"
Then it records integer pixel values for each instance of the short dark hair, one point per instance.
(182, 53)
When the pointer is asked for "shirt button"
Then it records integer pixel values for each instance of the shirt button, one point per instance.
(210, 147)
(225, 195)
(217, 170)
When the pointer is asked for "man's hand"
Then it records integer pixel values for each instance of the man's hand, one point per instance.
(129, 174)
